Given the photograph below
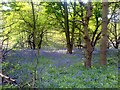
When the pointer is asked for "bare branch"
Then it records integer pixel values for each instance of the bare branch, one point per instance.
(8, 78)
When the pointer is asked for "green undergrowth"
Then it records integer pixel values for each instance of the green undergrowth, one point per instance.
(74, 76)
(77, 76)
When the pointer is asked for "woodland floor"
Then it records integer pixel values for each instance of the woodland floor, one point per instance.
(20, 64)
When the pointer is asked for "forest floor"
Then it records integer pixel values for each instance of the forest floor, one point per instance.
(21, 64)
(58, 57)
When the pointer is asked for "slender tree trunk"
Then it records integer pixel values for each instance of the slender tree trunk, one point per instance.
(79, 39)
(88, 46)
(73, 24)
(41, 39)
(29, 42)
(67, 33)
(116, 36)
(1, 56)
(34, 26)
(104, 39)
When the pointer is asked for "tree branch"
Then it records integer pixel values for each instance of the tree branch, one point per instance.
(8, 78)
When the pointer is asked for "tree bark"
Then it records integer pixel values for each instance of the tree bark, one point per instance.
(67, 32)
(41, 39)
(116, 36)
(88, 46)
(73, 24)
(1, 56)
(34, 26)
(104, 39)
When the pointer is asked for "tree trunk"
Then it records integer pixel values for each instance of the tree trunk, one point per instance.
(116, 36)
(104, 38)
(88, 45)
(29, 42)
(41, 39)
(1, 56)
(67, 33)
(88, 48)
(88, 56)
(34, 26)
(73, 24)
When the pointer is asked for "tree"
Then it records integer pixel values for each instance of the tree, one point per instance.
(114, 32)
(34, 26)
(104, 39)
(88, 47)
(73, 24)
(67, 33)
(59, 10)
(85, 22)
(27, 31)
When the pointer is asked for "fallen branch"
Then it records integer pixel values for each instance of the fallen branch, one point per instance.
(7, 78)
